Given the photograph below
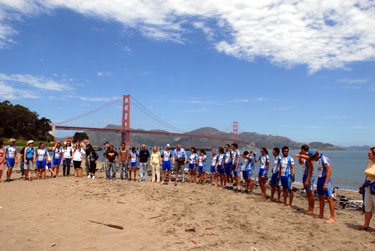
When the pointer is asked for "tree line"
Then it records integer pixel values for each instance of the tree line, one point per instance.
(17, 121)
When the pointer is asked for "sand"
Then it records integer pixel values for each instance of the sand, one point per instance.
(71, 213)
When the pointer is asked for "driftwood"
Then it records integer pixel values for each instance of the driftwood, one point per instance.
(108, 225)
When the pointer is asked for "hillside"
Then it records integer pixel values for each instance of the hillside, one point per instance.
(246, 140)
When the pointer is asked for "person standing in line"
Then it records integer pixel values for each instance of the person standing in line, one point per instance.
(220, 168)
(275, 181)
(304, 158)
(11, 157)
(368, 197)
(78, 156)
(22, 163)
(111, 158)
(155, 164)
(57, 157)
(287, 175)
(123, 162)
(193, 163)
(179, 160)
(41, 161)
(213, 170)
(248, 168)
(29, 159)
(236, 167)
(324, 185)
(166, 164)
(133, 163)
(264, 160)
(2, 159)
(92, 158)
(85, 144)
(201, 166)
(228, 167)
(143, 157)
(67, 158)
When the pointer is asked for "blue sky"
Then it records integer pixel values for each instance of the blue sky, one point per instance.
(300, 69)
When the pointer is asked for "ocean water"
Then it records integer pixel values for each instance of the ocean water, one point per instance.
(347, 167)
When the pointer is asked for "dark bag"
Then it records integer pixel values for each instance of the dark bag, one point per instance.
(181, 159)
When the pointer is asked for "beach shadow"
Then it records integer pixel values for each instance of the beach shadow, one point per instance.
(356, 226)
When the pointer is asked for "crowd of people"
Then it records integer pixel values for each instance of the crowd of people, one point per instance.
(229, 169)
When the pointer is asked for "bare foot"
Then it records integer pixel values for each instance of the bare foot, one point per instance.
(318, 216)
(309, 212)
(330, 220)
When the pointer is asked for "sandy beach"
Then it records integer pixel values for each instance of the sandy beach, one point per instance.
(71, 213)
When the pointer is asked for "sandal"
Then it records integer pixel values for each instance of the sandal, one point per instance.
(363, 228)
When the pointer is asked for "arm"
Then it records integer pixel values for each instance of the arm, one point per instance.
(310, 164)
(267, 166)
(328, 177)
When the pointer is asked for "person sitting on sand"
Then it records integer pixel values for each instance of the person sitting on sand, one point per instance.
(324, 185)
(275, 181)
(287, 175)
(213, 171)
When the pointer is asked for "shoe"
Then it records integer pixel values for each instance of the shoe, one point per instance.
(7, 180)
(93, 177)
(89, 176)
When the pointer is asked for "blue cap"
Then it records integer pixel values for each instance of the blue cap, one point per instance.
(311, 153)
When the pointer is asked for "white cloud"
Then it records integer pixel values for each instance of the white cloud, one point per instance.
(319, 34)
(10, 93)
(34, 81)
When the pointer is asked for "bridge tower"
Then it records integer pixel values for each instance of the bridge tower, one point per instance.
(235, 131)
(125, 125)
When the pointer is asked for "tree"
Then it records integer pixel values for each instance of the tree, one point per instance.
(80, 136)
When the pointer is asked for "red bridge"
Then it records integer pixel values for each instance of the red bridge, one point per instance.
(126, 129)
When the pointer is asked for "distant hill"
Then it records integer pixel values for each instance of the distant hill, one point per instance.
(248, 140)
(357, 148)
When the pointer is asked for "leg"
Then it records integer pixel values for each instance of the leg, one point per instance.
(331, 205)
(113, 170)
(321, 207)
(290, 198)
(107, 171)
(311, 202)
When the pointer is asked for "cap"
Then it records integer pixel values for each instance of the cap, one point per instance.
(311, 153)
(30, 142)
(167, 145)
(12, 140)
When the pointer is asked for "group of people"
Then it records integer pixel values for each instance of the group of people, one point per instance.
(229, 169)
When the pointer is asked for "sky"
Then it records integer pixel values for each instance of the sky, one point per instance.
(300, 69)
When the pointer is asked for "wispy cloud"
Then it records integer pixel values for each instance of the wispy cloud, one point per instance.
(319, 34)
(9, 93)
(285, 108)
(354, 81)
(36, 82)
(336, 117)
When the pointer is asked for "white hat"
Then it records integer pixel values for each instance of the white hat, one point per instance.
(12, 140)
(30, 142)
(167, 145)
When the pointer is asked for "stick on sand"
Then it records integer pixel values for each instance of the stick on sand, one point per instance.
(108, 225)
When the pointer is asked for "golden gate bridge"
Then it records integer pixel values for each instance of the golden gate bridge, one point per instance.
(126, 130)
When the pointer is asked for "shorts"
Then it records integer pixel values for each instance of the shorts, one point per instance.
(212, 169)
(320, 184)
(49, 165)
(262, 173)
(246, 174)
(274, 180)
(56, 162)
(369, 200)
(220, 169)
(40, 164)
(28, 164)
(238, 173)
(166, 165)
(228, 168)
(10, 162)
(200, 169)
(286, 183)
(310, 187)
(191, 166)
(132, 164)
